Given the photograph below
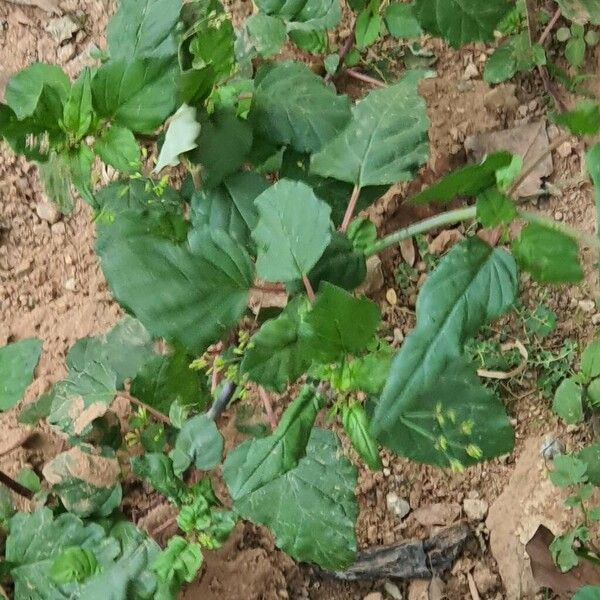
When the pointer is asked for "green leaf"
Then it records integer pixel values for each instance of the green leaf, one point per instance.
(515, 55)
(384, 143)
(268, 34)
(305, 15)
(369, 373)
(588, 592)
(468, 181)
(568, 403)
(37, 410)
(580, 11)
(223, 145)
(311, 508)
(142, 28)
(367, 28)
(331, 63)
(29, 479)
(292, 232)
(124, 349)
(200, 291)
(562, 551)
(551, 256)
(157, 469)
(180, 137)
(293, 106)
(138, 94)
(575, 51)
(180, 561)
(86, 483)
(472, 285)
(17, 364)
(362, 233)
(592, 161)
(506, 176)
(78, 111)
(166, 379)
(315, 42)
(117, 147)
(356, 426)
(55, 175)
(73, 564)
(278, 353)
(568, 470)
(339, 323)
(401, 22)
(541, 322)
(24, 90)
(80, 165)
(199, 443)
(590, 360)
(461, 21)
(584, 120)
(255, 463)
(494, 208)
(590, 455)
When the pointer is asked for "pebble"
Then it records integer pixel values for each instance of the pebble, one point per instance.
(587, 306)
(391, 297)
(66, 53)
(471, 72)
(47, 211)
(70, 284)
(58, 228)
(392, 590)
(564, 150)
(558, 216)
(396, 505)
(475, 509)
(374, 596)
(62, 28)
(596, 319)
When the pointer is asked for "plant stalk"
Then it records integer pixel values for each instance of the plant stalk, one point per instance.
(15, 486)
(309, 289)
(152, 411)
(549, 27)
(350, 208)
(343, 52)
(220, 404)
(365, 78)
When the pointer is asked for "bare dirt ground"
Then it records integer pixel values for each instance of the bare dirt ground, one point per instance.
(51, 287)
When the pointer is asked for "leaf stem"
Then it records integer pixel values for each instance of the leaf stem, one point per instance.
(447, 218)
(15, 486)
(309, 288)
(220, 404)
(586, 238)
(549, 27)
(365, 78)
(343, 52)
(155, 413)
(350, 208)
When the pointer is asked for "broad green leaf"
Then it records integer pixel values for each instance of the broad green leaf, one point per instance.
(588, 592)
(78, 111)
(181, 137)
(268, 34)
(472, 285)
(80, 165)
(568, 404)
(385, 141)
(461, 21)
(575, 51)
(313, 41)
(117, 147)
(551, 256)
(305, 15)
(138, 94)
(157, 469)
(356, 426)
(29, 479)
(562, 550)
(24, 90)
(222, 146)
(331, 63)
(369, 373)
(278, 354)
(180, 561)
(230, 206)
(401, 22)
(166, 379)
(590, 455)
(142, 28)
(468, 181)
(124, 349)
(568, 470)
(293, 106)
(515, 55)
(339, 323)
(255, 463)
(86, 483)
(73, 564)
(311, 509)
(590, 360)
(17, 364)
(367, 28)
(37, 410)
(580, 11)
(494, 208)
(82, 397)
(584, 120)
(292, 232)
(199, 292)
(362, 233)
(199, 443)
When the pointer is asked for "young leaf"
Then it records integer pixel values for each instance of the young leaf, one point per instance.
(468, 181)
(143, 28)
(292, 106)
(78, 111)
(255, 463)
(401, 22)
(580, 11)
(86, 483)
(548, 254)
(588, 592)
(311, 508)
(306, 15)
(362, 233)
(181, 137)
(367, 28)
(278, 354)
(268, 34)
(29, 479)
(461, 21)
(292, 233)
(472, 285)
(575, 51)
(73, 564)
(17, 363)
(180, 561)
(584, 120)
(138, 94)
(356, 426)
(331, 63)
(117, 147)
(199, 443)
(562, 548)
(157, 469)
(384, 143)
(339, 323)
(590, 455)
(568, 401)
(568, 470)
(37, 410)
(494, 208)
(314, 42)
(515, 55)
(590, 360)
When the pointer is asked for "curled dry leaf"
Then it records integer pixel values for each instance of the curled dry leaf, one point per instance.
(445, 240)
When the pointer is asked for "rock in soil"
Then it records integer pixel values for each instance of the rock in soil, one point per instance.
(374, 596)
(396, 505)
(46, 211)
(441, 513)
(476, 510)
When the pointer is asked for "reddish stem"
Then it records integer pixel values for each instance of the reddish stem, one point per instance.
(350, 208)
(365, 78)
(309, 289)
(549, 27)
(343, 53)
(267, 406)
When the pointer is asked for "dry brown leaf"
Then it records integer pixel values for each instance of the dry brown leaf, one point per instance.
(407, 250)
(441, 513)
(445, 240)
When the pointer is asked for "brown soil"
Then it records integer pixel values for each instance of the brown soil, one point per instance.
(51, 288)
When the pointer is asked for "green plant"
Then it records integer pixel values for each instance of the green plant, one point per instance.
(278, 164)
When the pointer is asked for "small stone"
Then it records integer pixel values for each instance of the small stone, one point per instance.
(522, 110)
(471, 72)
(62, 28)
(70, 284)
(374, 280)
(564, 150)
(484, 579)
(47, 211)
(66, 53)
(398, 337)
(58, 229)
(587, 306)
(387, 472)
(391, 297)
(558, 216)
(440, 513)
(475, 509)
(596, 319)
(396, 505)
(374, 596)
(553, 132)
(392, 590)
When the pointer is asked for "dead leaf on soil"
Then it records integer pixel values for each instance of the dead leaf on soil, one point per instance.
(529, 141)
(441, 513)
(445, 240)
(407, 250)
(47, 5)
(547, 574)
